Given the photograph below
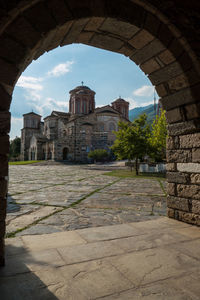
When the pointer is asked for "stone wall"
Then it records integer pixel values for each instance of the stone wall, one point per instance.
(183, 155)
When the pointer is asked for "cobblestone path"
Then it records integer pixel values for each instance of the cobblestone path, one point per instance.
(53, 198)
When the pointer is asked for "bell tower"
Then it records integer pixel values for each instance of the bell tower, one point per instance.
(121, 106)
(82, 100)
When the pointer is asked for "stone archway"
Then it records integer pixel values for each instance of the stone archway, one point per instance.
(161, 39)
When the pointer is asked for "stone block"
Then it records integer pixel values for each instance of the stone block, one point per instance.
(170, 213)
(141, 39)
(174, 115)
(40, 17)
(150, 66)
(3, 204)
(178, 177)
(106, 42)
(3, 165)
(6, 50)
(196, 155)
(167, 57)
(165, 34)
(116, 27)
(166, 73)
(84, 37)
(8, 72)
(190, 140)
(24, 32)
(190, 218)
(5, 99)
(170, 143)
(59, 10)
(74, 32)
(94, 24)
(4, 142)
(178, 83)
(171, 167)
(171, 189)
(195, 178)
(195, 204)
(59, 35)
(178, 203)
(2, 252)
(179, 98)
(161, 90)
(188, 191)
(147, 52)
(184, 127)
(188, 167)
(192, 111)
(4, 122)
(152, 23)
(179, 156)
(2, 228)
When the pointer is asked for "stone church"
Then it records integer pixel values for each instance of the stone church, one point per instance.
(70, 136)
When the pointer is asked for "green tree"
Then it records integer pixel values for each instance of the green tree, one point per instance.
(98, 154)
(132, 140)
(158, 137)
(15, 146)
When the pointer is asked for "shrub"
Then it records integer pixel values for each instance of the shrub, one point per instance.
(98, 155)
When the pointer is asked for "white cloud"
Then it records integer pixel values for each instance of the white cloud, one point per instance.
(61, 69)
(16, 125)
(133, 103)
(29, 82)
(48, 105)
(144, 91)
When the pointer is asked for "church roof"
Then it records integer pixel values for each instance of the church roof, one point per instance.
(106, 108)
(120, 100)
(31, 113)
(60, 113)
(82, 89)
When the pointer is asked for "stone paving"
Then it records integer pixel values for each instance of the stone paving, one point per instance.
(148, 260)
(53, 198)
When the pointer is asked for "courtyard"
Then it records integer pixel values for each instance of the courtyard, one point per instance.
(52, 197)
(76, 232)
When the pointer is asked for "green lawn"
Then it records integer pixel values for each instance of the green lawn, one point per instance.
(129, 174)
(27, 162)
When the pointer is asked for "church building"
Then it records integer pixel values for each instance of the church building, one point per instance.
(70, 136)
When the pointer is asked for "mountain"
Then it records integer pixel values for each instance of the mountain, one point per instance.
(148, 110)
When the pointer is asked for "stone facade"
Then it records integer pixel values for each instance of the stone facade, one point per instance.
(70, 136)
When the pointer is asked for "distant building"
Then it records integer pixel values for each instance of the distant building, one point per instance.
(70, 136)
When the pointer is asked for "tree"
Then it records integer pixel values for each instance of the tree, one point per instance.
(98, 154)
(158, 137)
(132, 140)
(15, 146)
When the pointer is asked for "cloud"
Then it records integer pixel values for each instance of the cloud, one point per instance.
(144, 91)
(29, 82)
(133, 103)
(16, 125)
(48, 105)
(61, 69)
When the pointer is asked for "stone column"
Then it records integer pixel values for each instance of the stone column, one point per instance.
(183, 172)
(4, 150)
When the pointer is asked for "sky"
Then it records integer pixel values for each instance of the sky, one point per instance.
(45, 84)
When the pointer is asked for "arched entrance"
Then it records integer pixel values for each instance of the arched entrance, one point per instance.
(65, 153)
(161, 39)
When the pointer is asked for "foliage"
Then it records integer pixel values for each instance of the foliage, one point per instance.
(15, 146)
(98, 155)
(158, 136)
(132, 140)
(26, 162)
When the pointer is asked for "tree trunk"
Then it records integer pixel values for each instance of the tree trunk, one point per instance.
(136, 166)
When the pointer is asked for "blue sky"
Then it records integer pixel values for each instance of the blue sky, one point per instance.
(45, 84)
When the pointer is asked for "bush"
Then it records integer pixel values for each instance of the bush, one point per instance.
(98, 155)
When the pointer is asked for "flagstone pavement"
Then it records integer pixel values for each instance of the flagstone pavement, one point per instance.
(74, 233)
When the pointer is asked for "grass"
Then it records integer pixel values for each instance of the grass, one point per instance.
(26, 162)
(129, 174)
